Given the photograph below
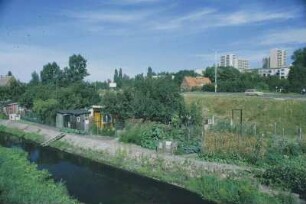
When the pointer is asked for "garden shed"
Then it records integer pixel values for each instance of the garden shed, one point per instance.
(74, 119)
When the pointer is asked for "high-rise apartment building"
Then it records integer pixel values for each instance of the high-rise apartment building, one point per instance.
(229, 60)
(277, 58)
(243, 64)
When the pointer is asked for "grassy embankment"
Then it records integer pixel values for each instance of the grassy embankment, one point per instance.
(21, 182)
(269, 137)
(229, 189)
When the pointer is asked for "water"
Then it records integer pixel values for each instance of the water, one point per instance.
(92, 182)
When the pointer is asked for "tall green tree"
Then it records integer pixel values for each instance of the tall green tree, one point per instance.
(35, 78)
(116, 76)
(150, 72)
(297, 73)
(120, 74)
(77, 70)
(50, 73)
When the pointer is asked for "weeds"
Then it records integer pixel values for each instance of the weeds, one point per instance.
(21, 182)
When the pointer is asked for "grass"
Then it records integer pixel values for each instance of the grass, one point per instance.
(21, 182)
(264, 112)
(233, 188)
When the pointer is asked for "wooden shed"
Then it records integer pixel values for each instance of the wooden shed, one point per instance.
(74, 119)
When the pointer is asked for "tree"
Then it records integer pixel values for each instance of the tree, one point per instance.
(119, 104)
(46, 110)
(50, 73)
(150, 72)
(9, 73)
(157, 100)
(116, 76)
(120, 74)
(297, 73)
(16, 89)
(210, 73)
(77, 70)
(35, 79)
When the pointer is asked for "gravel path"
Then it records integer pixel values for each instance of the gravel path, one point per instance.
(112, 145)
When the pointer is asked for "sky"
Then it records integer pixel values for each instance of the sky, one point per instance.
(168, 35)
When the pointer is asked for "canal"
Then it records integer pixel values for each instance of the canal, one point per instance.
(93, 182)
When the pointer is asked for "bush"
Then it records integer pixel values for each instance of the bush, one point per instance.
(144, 134)
(209, 87)
(288, 174)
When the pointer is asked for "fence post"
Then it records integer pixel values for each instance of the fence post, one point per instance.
(255, 129)
(275, 129)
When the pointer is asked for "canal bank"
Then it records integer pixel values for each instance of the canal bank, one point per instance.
(89, 181)
(215, 182)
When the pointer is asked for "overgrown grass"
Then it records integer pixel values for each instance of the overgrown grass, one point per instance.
(21, 182)
(264, 112)
(231, 189)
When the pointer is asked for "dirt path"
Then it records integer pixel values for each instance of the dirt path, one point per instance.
(112, 145)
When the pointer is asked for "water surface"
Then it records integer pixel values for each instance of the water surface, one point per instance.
(93, 182)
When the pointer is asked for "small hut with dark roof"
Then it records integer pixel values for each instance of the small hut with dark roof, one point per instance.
(74, 119)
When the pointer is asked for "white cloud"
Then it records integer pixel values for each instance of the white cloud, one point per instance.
(125, 2)
(106, 16)
(292, 36)
(209, 18)
(185, 19)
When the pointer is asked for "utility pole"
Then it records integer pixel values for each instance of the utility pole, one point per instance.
(216, 86)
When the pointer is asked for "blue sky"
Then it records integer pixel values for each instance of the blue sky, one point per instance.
(168, 35)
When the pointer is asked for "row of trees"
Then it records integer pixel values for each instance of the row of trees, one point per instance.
(54, 89)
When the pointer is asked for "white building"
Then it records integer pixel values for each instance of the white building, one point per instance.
(281, 72)
(229, 60)
(243, 65)
(277, 58)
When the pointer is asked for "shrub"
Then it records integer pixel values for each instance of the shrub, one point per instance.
(289, 174)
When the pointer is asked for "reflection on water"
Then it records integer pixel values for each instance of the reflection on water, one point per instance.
(92, 182)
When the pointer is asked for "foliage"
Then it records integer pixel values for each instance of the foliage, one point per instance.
(289, 174)
(156, 99)
(150, 73)
(12, 91)
(233, 191)
(21, 182)
(35, 79)
(149, 99)
(50, 73)
(77, 70)
(106, 131)
(188, 175)
(144, 134)
(148, 135)
(119, 104)
(179, 76)
(46, 110)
